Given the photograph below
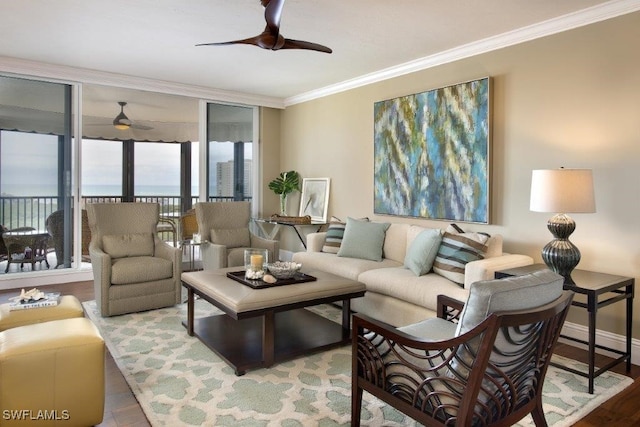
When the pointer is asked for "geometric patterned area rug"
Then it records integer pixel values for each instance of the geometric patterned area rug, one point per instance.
(178, 381)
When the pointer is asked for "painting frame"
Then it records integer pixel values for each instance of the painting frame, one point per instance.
(314, 200)
(432, 154)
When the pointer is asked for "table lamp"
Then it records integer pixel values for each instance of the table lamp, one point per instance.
(562, 191)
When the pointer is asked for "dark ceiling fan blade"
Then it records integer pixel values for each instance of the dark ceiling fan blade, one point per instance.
(264, 40)
(250, 40)
(299, 44)
(271, 38)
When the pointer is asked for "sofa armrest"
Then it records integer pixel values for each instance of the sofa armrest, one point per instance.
(485, 269)
(315, 241)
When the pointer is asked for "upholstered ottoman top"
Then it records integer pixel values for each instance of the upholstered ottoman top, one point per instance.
(68, 307)
(241, 298)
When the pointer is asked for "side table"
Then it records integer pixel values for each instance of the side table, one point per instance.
(601, 290)
(190, 245)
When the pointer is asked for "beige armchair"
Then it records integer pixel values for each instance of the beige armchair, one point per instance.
(133, 269)
(224, 226)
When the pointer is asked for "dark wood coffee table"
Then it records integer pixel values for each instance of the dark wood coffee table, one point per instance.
(262, 327)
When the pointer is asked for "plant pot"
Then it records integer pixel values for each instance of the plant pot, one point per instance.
(283, 204)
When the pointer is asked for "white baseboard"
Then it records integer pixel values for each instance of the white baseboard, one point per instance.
(607, 339)
(27, 280)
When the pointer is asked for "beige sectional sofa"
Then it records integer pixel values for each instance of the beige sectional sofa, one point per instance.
(395, 294)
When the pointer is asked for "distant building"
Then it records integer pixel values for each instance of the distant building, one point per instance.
(224, 179)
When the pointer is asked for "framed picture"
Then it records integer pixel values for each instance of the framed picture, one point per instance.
(315, 198)
(432, 152)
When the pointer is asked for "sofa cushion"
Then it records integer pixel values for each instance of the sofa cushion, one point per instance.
(335, 233)
(125, 271)
(231, 237)
(128, 245)
(349, 268)
(455, 251)
(422, 251)
(395, 242)
(401, 283)
(363, 239)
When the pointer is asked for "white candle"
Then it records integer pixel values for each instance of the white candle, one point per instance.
(256, 262)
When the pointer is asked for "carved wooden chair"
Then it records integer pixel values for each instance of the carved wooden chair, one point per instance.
(486, 370)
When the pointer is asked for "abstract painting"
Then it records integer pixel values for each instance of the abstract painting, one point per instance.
(431, 154)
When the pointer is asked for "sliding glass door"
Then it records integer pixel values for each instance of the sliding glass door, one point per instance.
(36, 144)
(231, 155)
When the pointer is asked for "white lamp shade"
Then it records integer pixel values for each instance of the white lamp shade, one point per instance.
(562, 191)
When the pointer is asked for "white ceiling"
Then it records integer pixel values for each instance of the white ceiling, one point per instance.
(155, 39)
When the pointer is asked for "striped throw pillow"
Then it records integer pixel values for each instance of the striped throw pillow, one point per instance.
(456, 250)
(335, 233)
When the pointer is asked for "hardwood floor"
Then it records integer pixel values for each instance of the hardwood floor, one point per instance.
(122, 408)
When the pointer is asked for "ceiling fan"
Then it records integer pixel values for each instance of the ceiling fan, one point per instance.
(271, 38)
(122, 122)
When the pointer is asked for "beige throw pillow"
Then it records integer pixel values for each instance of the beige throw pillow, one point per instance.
(231, 237)
(128, 245)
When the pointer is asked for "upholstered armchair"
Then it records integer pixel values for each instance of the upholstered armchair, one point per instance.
(224, 229)
(488, 369)
(133, 269)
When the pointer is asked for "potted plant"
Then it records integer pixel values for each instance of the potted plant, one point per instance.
(285, 183)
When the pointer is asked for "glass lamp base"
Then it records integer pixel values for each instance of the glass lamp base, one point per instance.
(560, 254)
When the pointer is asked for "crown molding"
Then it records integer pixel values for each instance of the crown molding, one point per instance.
(567, 22)
(560, 24)
(80, 75)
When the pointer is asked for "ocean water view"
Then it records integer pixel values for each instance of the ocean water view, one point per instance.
(51, 190)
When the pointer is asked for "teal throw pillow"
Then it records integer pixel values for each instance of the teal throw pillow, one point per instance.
(363, 239)
(422, 251)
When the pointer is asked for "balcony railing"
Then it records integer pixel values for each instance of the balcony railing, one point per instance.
(33, 211)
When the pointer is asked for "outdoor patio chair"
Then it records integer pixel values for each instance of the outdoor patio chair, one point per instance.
(224, 229)
(55, 227)
(188, 225)
(133, 269)
(488, 369)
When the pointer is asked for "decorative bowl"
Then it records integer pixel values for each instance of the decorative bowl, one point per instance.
(284, 269)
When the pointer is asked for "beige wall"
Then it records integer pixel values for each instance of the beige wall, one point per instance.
(572, 100)
(269, 143)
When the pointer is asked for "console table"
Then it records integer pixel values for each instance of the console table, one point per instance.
(273, 233)
(600, 290)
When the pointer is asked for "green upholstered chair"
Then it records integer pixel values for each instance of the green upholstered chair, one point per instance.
(224, 229)
(133, 269)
